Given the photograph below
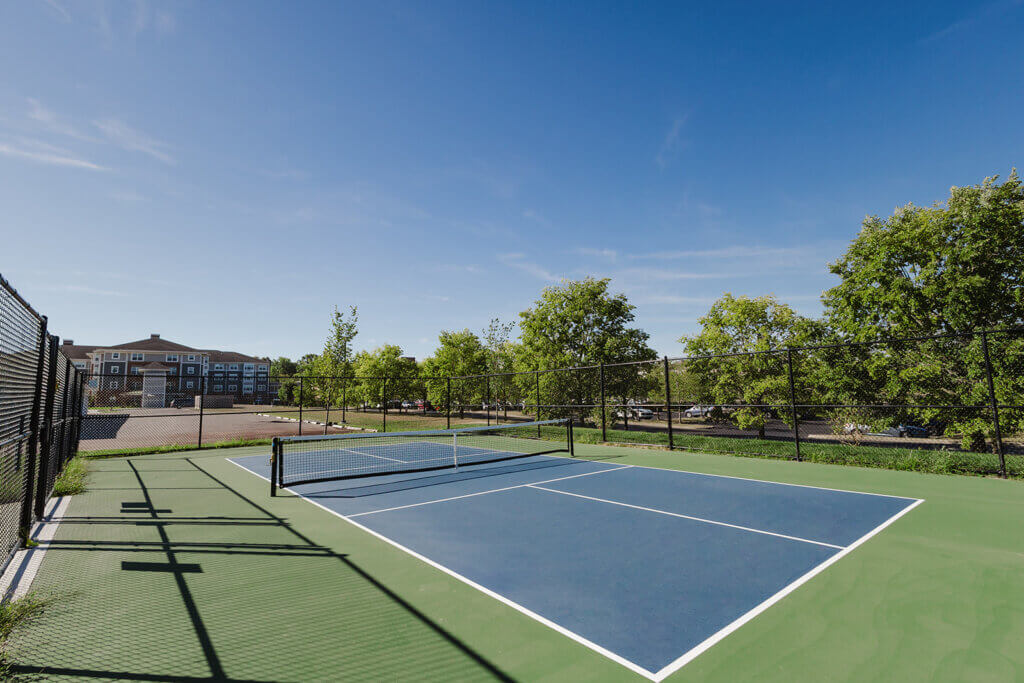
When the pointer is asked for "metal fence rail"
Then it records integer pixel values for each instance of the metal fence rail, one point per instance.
(40, 414)
(959, 393)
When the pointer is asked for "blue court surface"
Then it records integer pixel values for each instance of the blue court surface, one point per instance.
(649, 567)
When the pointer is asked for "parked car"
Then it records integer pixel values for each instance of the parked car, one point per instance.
(423, 405)
(635, 413)
(408, 404)
(698, 411)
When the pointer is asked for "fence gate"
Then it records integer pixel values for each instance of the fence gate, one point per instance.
(154, 390)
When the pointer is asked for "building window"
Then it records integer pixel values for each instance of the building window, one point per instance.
(218, 366)
(172, 358)
(114, 370)
(173, 371)
(191, 370)
(80, 366)
(113, 384)
(115, 356)
(263, 368)
(263, 387)
(136, 356)
(189, 385)
(232, 387)
(233, 366)
(135, 371)
(191, 357)
(218, 387)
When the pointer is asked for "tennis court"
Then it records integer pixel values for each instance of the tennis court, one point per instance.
(648, 567)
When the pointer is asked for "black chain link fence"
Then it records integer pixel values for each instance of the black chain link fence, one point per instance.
(41, 395)
(949, 403)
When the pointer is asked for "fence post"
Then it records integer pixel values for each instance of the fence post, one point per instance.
(79, 407)
(300, 406)
(384, 403)
(202, 408)
(792, 404)
(668, 405)
(33, 439)
(604, 430)
(537, 375)
(448, 403)
(344, 399)
(327, 417)
(487, 399)
(994, 405)
(47, 441)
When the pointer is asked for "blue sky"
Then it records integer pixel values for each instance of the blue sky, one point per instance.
(225, 173)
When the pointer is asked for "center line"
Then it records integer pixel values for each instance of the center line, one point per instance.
(690, 517)
(484, 493)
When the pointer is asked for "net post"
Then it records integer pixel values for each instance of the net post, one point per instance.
(604, 429)
(455, 449)
(448, 403)
(274, 458)
(792, 404)
(384, 404)
(668, 404)
(300, 406)
(568, 431)
(994, 405)
(202, 406)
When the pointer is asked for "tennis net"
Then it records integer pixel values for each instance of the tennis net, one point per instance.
(308, 459)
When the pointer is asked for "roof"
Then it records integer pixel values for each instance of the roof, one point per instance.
(77, 351)
(232, 357)
(152, 344)
(156, 366)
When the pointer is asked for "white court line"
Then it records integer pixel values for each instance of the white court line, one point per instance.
(729, 476)
(21, 572)
(687, 657)
(722, 633)
(690, 517)
(636, 668)
(483, 493)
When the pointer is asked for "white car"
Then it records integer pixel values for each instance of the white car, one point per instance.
(635, 413)
(698, 411)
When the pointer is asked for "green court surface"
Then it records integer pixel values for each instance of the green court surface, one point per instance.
(181, 567)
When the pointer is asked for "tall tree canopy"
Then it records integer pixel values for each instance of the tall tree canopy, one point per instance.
(581, 323)
(946, 268)
(458, 354)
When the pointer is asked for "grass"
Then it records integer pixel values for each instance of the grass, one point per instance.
(905, 459)
(15, 613)
(73, 479)
(169, 448)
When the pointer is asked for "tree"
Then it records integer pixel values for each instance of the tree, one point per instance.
(581, 323)
(459, 354)
(950, 268)
(372, 367)
(282, 367)
(501, 358)
(947, 268)
(335, 362)
(732, 358)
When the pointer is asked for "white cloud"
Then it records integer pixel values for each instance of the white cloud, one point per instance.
(49, 120)
(42, 153)
(515, 260)
(671, 142)
(609, 254)
(132, 140)
(58, 10)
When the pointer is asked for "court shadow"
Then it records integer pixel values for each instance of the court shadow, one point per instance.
(466, 473)
(229, 602)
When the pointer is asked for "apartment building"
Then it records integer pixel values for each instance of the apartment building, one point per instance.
(161, 370)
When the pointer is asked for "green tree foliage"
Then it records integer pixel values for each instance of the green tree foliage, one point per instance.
(754, 381)
(501, 362)
(282, 367)
(955, 267)
(459, 354)
(580, 323)
(335, 362)
(949, 268)
(372, 367)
